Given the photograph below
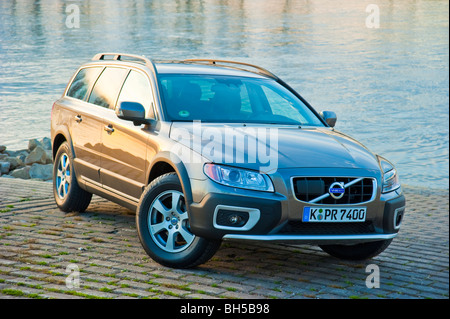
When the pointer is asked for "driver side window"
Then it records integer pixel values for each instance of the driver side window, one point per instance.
(137, 89)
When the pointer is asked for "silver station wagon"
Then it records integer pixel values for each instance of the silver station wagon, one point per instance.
(212, 150)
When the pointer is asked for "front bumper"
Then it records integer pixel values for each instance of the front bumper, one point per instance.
(277, 216)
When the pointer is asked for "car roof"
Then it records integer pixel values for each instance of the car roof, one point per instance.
(192, 68)
(189, 66)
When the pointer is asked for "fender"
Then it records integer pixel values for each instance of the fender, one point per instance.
(179, 168)
(64, 131)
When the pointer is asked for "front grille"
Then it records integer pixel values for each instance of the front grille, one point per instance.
(307, 189)
(352, 228)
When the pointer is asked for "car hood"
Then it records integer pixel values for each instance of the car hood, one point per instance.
(268, 147)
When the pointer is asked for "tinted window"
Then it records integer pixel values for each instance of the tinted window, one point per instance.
(83, 82)
(232, 99)
(137, 89)
(107, 87)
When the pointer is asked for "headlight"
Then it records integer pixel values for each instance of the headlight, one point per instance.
(236, 177)
(390, 177)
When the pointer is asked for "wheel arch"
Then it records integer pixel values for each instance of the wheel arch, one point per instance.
(165, 163)
(62, 135)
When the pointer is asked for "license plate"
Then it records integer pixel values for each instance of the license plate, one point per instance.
(334, 214)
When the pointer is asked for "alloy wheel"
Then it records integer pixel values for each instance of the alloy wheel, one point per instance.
(168, 222)
(63, 176)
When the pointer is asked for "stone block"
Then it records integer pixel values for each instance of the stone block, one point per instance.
(40, 171)
(23, 172)
(37, 155)
(4, 167)
(15, 162)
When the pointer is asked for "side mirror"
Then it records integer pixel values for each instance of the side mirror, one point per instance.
(329, 117)
(132, 111)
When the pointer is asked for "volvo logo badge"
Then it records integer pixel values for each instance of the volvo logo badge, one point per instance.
(336, 190)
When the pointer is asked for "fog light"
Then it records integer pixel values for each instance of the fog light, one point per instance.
(231, 218)
(235, 219)
(398, 217)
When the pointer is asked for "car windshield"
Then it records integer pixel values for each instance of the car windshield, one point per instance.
(213, 98)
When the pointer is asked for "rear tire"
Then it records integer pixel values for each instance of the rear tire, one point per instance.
(357, 252)
(163, 226)
(68, 195)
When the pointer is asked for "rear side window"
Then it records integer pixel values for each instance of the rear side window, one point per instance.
(107, 87)
(82, 82)
(137, 89)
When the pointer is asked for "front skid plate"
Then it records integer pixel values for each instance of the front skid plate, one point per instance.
(313, 239)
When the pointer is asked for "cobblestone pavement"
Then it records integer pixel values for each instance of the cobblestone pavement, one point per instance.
(38, 242)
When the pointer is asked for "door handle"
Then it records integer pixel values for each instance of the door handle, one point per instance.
(78, 119)
(109, 128)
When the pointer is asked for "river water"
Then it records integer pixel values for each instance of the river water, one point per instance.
(387, 82)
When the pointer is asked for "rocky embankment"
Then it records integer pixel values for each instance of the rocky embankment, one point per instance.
(35, 162)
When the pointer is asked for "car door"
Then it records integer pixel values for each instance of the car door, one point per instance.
(85, 124)
(124, 144)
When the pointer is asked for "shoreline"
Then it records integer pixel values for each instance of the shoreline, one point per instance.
(41, 165)
(34, 162)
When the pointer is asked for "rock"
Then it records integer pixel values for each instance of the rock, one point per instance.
(37, 155)
(15, 162)
(9, 153)
(22, 156)
(46, 143)
(49, 156)
(23, 172)
(4, 167)
(39, 171)
(16, 153)
(33, 143)
(33, 162)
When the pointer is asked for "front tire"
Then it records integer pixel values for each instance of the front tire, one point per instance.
(69, 197)
(357, 252)
(163, 226)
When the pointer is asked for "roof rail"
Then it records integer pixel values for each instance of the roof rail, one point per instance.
(215, 62)
(124, 57)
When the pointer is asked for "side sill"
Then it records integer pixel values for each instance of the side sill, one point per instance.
(96, 189)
